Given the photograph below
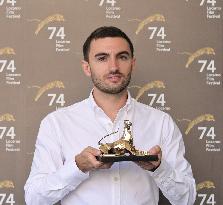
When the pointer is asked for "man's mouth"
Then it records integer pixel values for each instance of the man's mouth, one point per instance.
(114, 77)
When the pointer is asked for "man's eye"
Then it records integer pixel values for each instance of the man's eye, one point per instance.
(124, 57)
(102, 58)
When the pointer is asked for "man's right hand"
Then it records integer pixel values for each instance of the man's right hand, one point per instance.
(86, 161)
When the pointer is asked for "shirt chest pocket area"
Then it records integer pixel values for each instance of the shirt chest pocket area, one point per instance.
(145, 139)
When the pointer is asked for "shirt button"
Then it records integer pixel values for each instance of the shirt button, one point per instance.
(115, 179)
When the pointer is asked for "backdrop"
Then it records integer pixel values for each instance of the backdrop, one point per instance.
(179, 52)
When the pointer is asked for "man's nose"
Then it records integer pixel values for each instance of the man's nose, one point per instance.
(113, 64)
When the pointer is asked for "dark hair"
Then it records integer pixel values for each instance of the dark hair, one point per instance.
(103, 32)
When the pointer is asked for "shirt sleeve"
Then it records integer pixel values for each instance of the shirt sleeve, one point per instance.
(51, 177)
(174, 175)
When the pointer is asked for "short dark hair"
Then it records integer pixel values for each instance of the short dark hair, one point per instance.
(103, 32)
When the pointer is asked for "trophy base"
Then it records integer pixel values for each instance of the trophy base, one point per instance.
(117, 158)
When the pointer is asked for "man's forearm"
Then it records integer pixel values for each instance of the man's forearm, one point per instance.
(178, 188)
(49, 188)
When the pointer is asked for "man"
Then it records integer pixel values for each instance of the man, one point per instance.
(65, 166)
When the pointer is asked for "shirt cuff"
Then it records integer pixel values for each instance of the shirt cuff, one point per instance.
(162, 175)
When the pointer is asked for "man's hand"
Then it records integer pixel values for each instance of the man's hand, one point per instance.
(86, 160)
(151, 166)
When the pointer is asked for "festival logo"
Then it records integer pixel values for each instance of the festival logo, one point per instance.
(8, 135)
(207, 133)
(205, 198)
(198, 53)
(156, 99)
(154, 31)
(213, 8)
(47, 20)
(54, 98)
(12, 10)
(8, 67)
(197, 120)
(112, 11)
(150, 19)
(204, 59)
(57, 33)
(5, 196)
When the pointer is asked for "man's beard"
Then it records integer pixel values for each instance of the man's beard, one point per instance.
(102, 86)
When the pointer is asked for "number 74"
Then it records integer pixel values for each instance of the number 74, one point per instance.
(159, 99)
(112, 2)
(7, 200)
(210, 200)
(12, 2)
(212, 2)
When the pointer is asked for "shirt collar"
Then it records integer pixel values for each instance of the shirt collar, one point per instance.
(93, 104)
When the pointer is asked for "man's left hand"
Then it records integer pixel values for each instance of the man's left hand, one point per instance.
(152, 165)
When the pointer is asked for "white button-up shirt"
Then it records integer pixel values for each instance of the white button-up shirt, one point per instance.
(66, 132)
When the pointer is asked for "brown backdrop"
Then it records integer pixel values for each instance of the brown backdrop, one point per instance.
(179, 52)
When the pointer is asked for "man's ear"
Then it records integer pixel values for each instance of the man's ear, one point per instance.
(86, 68)
(133, 63)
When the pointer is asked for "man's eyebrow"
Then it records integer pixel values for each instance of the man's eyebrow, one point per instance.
(107, 54)
(123, 52)
(101, 54)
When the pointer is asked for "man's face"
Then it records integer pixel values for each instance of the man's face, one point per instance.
(110, 64)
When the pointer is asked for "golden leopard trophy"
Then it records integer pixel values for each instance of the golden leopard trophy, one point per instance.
(123, 149)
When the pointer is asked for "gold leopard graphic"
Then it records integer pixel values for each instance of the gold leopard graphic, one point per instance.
(7, 51)
(148, 86)
(150, 19)
(6, 184)
(205, 184)
(197, 120)
(48, 86)
(7, 117)
(47, 20)
(198, 53)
